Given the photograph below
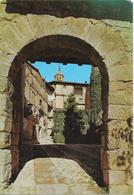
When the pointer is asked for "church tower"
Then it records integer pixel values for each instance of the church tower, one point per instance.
(59, 76)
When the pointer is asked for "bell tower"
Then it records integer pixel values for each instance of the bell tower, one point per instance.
(59, 76)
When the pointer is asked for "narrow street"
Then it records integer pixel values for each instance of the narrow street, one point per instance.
(59, 170)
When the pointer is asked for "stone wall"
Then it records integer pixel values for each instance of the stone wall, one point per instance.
(105, 43)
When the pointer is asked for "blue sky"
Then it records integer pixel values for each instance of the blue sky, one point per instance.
(71, 72)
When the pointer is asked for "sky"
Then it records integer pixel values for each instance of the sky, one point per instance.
(71, 72)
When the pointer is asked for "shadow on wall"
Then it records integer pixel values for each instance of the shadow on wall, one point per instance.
(116, 10)
(14, 82)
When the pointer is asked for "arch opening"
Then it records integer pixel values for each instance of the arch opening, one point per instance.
(55, 48)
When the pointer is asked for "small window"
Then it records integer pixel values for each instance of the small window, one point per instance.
(77, 90)
(64, 86)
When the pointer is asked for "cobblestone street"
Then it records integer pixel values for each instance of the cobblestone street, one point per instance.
(59, 174)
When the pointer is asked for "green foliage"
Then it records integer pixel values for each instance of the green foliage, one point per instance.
(83, 121)
(59, 138)
(96, 103)
(59, 121)
(76, 121)
(71, 123)
(71, 104)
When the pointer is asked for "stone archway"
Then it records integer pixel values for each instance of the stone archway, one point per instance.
(58, 48)
(111, 43)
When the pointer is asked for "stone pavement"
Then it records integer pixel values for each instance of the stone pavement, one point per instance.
(53, 176)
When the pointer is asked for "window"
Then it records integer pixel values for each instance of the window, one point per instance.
(64, 86)
(77, 90)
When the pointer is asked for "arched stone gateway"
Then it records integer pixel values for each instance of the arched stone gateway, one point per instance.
(103, 43)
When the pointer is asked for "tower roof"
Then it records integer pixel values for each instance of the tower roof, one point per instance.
(59, 72)
(59, 76)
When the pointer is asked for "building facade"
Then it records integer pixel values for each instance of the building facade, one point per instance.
(36, 106)
(63, 89)
(44, 98)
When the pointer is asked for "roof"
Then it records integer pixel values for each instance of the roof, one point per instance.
(59, 72)
(68, 83)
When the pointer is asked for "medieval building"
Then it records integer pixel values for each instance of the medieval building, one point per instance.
(43, 98)
(37, 103)
(63, 89)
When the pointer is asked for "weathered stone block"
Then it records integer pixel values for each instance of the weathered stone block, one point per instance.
(12, 39)
(38, 24)
(94, 36)
(113, 57)
(6, 49)
(2, 187)
(21, 26)
(118, 160)
(3, 84)
(4, 69)
(5, 114)
(5, 156)
(127, 37)
(5, 124)
(111, 142)
(112, 42)
(129, 180)
(5, 173)
(5, 139)
(121, 112)
(5, 103)
(121, 72)
(120, 85)
(119, 135)
(120, 189)
(114, 177)
(114, 125)
(120, 141)
(7, 59)
(75, 26)
(117, 24)
(120, 93)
